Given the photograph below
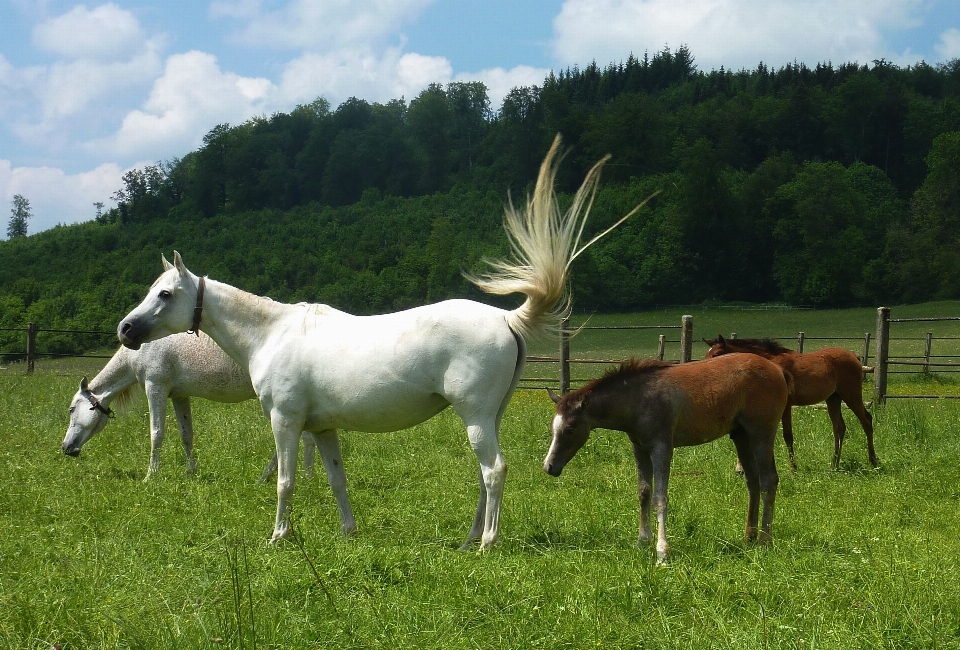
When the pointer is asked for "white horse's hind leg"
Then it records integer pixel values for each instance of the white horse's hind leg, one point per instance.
(310, 453)
(493, 473)
(181, 407)
(329, 444)
(286, 435)
(157, 401)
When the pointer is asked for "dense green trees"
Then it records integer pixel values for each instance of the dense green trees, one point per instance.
(818, 186)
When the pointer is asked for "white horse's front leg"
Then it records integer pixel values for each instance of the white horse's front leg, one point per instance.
(181, 407)
(157, 402)
(286, 435)
(328, 442)
(493, 473)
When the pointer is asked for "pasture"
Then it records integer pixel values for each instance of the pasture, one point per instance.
(92, 557)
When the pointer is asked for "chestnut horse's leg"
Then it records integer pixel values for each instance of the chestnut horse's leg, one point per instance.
(644, 485)
(661, 455)
(839, 427)
(787, 423)
(745, 454)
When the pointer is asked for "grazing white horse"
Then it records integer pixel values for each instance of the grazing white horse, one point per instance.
(318, 369)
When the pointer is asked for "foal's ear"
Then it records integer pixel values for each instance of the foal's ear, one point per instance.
(83, 386)
(553, 396)
(166, 265)
(721, 340)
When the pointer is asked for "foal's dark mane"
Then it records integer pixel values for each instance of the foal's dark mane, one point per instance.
(623, 372)
(766, 346)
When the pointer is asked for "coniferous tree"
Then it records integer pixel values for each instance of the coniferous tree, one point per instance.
(19, 213)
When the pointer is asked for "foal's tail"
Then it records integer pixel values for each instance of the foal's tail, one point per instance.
(544, 243)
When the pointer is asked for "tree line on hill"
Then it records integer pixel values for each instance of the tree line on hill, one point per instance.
(824, 186)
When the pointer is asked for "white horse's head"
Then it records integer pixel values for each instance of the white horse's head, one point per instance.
(167, 309)
(87, 418)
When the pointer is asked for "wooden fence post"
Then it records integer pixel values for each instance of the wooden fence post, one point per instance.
(661, 346)
(865, 358)
(800, 337)
(733, 335)
(686, 339)
(926, 353)
(564, 356)
(882, 351)
(31, 345)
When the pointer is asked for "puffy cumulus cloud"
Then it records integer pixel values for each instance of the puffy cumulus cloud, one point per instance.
(56, 197)
(948, 47)
(319, 25)
(500, 82)
(361, 73)
(733, 33)
(106, 32)
(191, 96)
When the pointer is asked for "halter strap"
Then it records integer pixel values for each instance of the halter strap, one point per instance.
(198, 310)
(96, 405)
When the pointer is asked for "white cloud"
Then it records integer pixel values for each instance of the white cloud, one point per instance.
(948, 47)
(733, 33)
(319, 25)
(56, 197)
(104, 33)
(499, 82)
(191, 96)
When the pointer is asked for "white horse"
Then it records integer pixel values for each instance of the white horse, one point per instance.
(180, 367)
(318, 369)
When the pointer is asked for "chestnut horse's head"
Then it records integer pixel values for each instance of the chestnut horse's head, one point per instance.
(718, 346)
(571, 428)
(167, 309)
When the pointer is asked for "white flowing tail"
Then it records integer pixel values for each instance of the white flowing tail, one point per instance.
(544, 244)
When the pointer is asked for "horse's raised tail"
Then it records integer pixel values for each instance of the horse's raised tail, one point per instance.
(544, 243)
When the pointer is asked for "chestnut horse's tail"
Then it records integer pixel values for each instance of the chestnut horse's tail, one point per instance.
(788, 377)
(544, 243)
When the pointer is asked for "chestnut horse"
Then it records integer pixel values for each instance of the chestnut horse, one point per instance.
(661, 406)
(832, 375)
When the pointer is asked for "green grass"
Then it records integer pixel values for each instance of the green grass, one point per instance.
(92, 557)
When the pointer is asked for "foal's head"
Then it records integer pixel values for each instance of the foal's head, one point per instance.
(167, 309)
(571, 428)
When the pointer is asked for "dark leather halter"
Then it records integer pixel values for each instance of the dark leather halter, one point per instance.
(96, 405)
(198, 310)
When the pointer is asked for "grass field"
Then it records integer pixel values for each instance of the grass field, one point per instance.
(91, 557)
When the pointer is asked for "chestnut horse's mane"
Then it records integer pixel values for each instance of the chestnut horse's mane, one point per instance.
(766, 346)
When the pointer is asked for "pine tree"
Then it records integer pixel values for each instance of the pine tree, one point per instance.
(19, 213)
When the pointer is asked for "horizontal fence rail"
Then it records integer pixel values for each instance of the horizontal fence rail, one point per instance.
(884, 363)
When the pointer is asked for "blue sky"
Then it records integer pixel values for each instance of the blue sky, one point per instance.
(88, 91)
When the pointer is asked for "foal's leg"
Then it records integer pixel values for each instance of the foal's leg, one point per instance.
(286, 435)
(839, 427)
(661, 456)
(787, 423)
(855, 402)
(181, 407)
(493, 472)
(157, 401)
(644, 489)
(329, 444)
(745, 454)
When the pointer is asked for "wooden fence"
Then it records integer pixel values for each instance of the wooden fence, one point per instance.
(30, 355)
(887, 363)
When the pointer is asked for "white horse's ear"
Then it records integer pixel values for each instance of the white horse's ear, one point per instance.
(83, 386)
(178, 263)
(166, 265)
(553, 396)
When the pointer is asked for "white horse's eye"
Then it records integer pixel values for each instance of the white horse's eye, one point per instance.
(72, 408)
(165, 294)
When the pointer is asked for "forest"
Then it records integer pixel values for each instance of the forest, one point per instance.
(822, 186)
